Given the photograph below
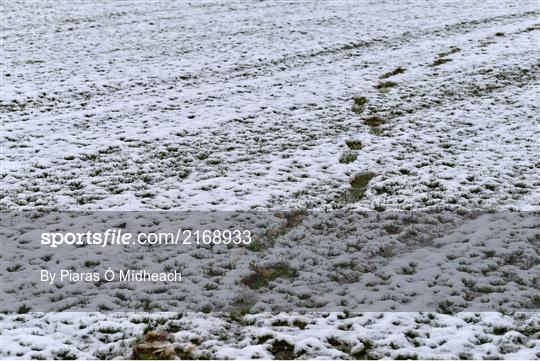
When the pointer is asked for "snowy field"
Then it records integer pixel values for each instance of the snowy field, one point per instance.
(272, 105)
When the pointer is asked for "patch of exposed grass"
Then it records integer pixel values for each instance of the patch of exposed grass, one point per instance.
(110, 330)
(280, 323)
(241, 306)
(293, 218)
(379, 132)
(64, 355)
(91, 263)
(23, 309)
(386, 85)
(282, 350)
(406, 357)
(339, 344)
(392, 228)
(374, 121)
(354, 144)
(500, 330)
(359, 104)
(15, 268)
(447, 307)
(441, 61)
(532, 28)
(359, 183)
(452, 50)
(262, 339)
(202, 156)
(156, 346)
(261, 276)
(396, 71)
(300, 324)
(348, 157)
(364, 352)
(256, 246)
(361, 180)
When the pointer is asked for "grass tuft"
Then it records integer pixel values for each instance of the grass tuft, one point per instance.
(452, 50)
(374, 121)
(354, 144)
(359, 183)
(385, 85)
(359, 104)
(441, 61)
(348, 157)
(261, 276)
(396, 71)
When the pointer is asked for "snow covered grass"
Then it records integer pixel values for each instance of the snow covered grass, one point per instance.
(274, 105)
(283, 336)
(246, 130)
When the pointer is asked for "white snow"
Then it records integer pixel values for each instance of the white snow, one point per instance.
(227, 105)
